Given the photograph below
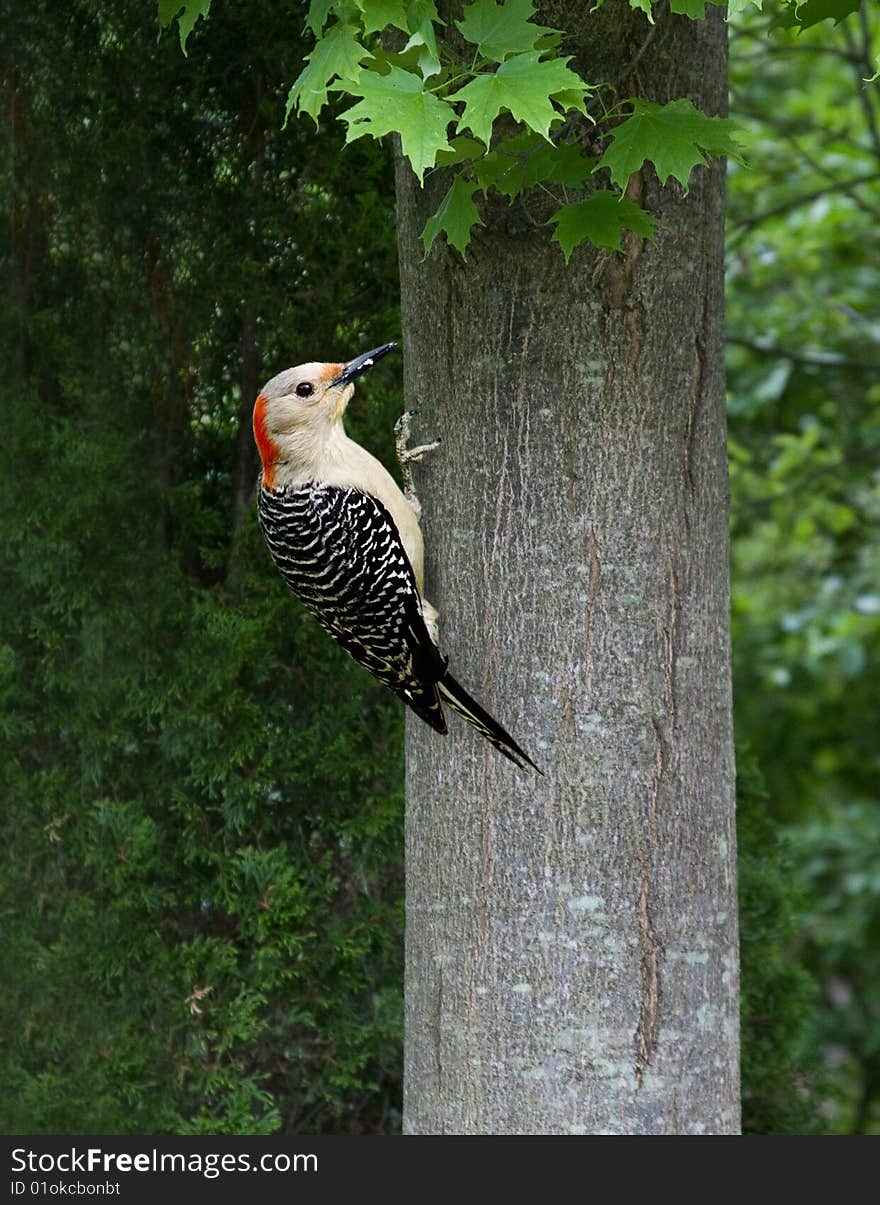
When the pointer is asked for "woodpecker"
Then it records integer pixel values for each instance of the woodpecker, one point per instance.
(347, 540)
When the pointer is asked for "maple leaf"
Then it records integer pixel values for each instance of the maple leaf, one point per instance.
(379, 14)
(501, 171)
(526, 160)
(524, 85)
(695, 9)
(337, 52)
(421, 17)
(500, 30)
(601, 218)
(675, 137)
(397, 103)
(316, 17)
(563, 164)
(810, 12)
(192, 10)
(735, 7)
(460, 149)
(455, 217)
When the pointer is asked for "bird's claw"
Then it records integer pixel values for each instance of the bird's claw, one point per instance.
(409, 456)
(414, 455)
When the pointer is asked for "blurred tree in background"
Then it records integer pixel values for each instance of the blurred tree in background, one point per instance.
(201, 886)
(804, 366)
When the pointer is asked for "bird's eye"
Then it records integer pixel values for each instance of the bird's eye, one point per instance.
(304, 389)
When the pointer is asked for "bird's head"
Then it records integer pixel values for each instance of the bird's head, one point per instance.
(300, 405)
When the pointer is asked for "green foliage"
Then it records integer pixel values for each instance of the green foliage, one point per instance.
(377, 14)
(187, 13)
(805, 439)
(789, 13)
(675, 137)
(500, 30)
(456, 216)
(524, 86)
(504, 67)
(691, 8)
(603, 217)
(777, 1003)
(837, 859)
(735, 7)
(806, 13)
(398, 102)
(337, 54)
(201, 823)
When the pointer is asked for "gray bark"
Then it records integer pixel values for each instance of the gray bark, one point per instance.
(571, 949)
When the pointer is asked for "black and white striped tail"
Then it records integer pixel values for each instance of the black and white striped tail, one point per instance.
(340, 552)
(469, 709)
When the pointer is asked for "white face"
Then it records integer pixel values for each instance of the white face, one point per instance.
(303, 395)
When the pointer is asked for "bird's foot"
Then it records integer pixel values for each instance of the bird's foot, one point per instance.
(407, 456)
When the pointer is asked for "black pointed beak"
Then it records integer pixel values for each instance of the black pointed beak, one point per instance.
(360, 364)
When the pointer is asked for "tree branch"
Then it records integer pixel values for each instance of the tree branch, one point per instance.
(748, 224)
(782, 47)
(862, 64)
(810, 159)
(816, 359)
(630, 67)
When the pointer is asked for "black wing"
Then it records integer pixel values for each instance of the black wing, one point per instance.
(339, 550)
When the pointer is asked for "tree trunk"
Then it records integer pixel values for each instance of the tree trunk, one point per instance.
(571, 940)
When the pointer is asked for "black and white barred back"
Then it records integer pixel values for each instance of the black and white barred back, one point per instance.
(340, 552)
